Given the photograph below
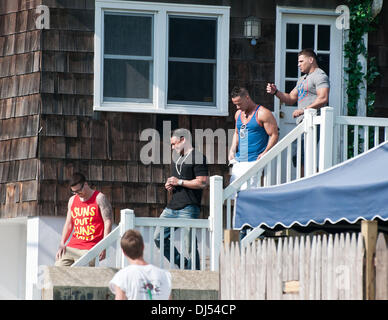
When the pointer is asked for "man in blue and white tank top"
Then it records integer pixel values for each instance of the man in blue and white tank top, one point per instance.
(255, 134)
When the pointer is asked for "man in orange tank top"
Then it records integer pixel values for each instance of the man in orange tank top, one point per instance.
(89, 217)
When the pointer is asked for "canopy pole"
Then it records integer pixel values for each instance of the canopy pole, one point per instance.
(369, 232)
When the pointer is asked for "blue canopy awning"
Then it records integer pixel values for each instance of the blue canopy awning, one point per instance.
(356, 189)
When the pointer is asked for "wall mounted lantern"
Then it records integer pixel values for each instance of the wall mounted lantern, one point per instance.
(252, 29)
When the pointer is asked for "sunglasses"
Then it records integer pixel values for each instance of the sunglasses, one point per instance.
(243, 130)
(79, 190)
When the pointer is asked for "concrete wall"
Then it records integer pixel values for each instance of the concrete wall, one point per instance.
(43, 237)
(12, 258)
(83, 283)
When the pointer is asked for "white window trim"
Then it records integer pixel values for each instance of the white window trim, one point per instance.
(161, 12)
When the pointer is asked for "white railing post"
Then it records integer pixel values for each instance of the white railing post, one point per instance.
(215, 216)
(309, 141)
(326, 138)
(127, 221)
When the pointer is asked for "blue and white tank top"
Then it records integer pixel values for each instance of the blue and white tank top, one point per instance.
(252, 138)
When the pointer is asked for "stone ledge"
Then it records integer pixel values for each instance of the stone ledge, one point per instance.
(86, 283)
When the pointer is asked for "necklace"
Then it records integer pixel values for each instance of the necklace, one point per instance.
(176, 164)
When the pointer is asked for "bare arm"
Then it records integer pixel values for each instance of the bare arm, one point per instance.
(107, 216)
(200, 182)
(66, 231)
(287, 98)
(119, 294)
(320, 101)
(233, 147)
(266, 118)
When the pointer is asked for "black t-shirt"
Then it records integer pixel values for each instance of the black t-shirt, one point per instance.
(187, 167)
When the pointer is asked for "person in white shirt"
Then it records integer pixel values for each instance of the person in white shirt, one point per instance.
(140, 280)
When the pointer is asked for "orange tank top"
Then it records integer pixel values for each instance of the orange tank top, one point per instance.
(88, 223)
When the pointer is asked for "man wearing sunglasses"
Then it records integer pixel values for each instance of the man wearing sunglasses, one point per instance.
(255, 134)
(89, 217)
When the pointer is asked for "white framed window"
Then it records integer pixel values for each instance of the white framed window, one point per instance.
(161, 58)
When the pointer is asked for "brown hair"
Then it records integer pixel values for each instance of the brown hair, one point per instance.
(308, 52)
(239, 92)
(77, 178)
(132, 244)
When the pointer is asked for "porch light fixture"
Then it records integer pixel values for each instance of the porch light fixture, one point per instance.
(252, 29)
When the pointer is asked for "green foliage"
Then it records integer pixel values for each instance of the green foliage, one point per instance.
(361, 22)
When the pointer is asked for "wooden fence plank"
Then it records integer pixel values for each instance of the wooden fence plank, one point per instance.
(278, 284)
(360, 263)
(302, 266)
(349, 262)
(312, 268)
(318, 269)
(251, 270)
(286, 266)
(336, 254)
(237, 253)
(324, 277)
(243, 274)
(330, 271)
(353, 266)
(271, 265)
(295, 264)
(307, 267)
(261, 253)
(381, 268)
(341, 269)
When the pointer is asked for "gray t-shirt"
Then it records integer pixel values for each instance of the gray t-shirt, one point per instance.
(307, 87)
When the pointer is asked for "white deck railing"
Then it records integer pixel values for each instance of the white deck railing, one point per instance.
(207, 233)
(275, 167)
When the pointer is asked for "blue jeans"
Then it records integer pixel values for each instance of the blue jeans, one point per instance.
(188, 212)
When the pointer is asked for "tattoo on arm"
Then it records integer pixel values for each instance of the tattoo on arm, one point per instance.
(105, 207)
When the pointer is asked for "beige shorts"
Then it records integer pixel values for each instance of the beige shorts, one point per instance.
(70, 256)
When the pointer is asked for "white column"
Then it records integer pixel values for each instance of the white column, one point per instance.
(215, 216)
(326, 138)
(32, 258)
(127, 221)
(309, 141)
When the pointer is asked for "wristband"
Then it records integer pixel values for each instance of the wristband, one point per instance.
(276, 91)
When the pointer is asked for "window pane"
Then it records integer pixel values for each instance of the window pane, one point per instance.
(292, 36)
(308, 36)
(291, 65)
(290, 85)
(191, 82)
(128, 35)
(323, 37)
(192, 38)
(127, 79)
(324, 62)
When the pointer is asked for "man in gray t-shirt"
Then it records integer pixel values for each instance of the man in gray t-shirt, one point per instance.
(312, 89)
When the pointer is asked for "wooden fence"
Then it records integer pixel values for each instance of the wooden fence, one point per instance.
(321, 267)
(381, 264)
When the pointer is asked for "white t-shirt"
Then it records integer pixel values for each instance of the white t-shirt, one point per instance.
(143, 282)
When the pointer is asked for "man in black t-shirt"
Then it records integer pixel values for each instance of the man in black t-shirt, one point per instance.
(189, 177)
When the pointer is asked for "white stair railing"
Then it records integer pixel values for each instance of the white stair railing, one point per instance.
(363, 128)
(201, 231)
